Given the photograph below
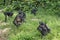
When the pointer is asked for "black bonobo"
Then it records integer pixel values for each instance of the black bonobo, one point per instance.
(33, 11)
(19, 18)
(9, 14)
(43, 29)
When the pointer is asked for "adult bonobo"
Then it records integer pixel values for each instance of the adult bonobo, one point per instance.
(8, 14)
(43, 28)
(33, 11)
(19, 18)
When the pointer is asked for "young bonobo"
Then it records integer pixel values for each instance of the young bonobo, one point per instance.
(33, 11)
(19, 18)
(43, 29)
(8, 14)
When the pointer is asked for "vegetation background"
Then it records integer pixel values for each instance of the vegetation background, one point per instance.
(48, 11)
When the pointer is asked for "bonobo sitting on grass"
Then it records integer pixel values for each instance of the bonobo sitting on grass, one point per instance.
(19, 18)
(43, 28)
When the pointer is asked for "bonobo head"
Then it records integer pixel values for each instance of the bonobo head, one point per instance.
(20, 11)
(41, 23)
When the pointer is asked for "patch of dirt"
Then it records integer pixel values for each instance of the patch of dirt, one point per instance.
(4, 33)
(3, 23)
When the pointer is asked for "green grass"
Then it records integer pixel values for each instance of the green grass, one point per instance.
(28, 30)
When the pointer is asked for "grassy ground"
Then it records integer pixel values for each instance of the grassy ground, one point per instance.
(28, 30)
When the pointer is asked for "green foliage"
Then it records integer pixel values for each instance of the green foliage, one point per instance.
(8, 8)
(48, 12)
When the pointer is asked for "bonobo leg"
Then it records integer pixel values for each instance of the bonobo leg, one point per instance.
(5, 18)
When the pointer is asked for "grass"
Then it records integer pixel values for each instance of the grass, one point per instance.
(28, 30)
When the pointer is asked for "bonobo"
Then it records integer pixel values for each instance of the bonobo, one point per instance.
(9, 14)
(33, 11)
(43, 28)
(19, 18)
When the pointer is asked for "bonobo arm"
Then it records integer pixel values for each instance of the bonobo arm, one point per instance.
(39, 28)
(47, 28)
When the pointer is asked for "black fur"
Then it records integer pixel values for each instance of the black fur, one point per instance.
(43, 29)
(33, 11)
(8, 14)
(19, 18)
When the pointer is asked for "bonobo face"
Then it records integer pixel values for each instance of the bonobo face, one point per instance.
(18, 19)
